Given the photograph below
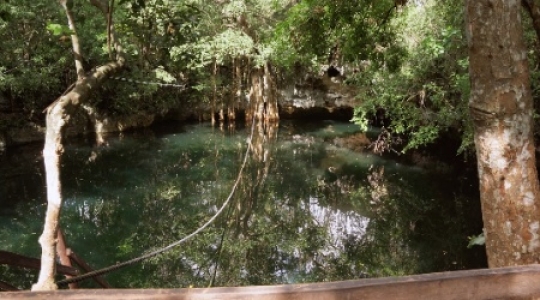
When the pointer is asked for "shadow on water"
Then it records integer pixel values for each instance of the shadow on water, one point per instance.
(312, 206)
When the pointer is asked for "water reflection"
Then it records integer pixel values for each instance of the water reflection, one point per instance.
(311, 207)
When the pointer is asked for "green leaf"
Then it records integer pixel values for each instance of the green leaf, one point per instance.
(56, 29)
(164, 75)
(477, 240)
(59, 29)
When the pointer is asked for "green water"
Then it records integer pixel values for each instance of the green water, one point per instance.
(308, 208)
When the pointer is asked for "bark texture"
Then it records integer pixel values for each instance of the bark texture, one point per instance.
(270, 88)
(263, 96)
(501, 108)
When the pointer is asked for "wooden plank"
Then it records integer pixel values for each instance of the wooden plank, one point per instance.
(7, 287)
(62, 252)
(13, 259)
(517, 283)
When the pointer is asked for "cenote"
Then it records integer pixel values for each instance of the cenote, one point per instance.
(310, 207)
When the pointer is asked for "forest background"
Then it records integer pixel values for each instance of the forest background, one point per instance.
(406, 60)
(410, 60)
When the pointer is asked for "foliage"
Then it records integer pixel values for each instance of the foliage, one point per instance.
(221, 48)
(243, 30)
(533, 46)
(409, 62)
(147, 30)
(350, 30)
(427, 95)
(59, 29)
(37, 63)
(34, 63)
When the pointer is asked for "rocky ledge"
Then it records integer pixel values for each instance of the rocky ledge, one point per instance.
(315, 98)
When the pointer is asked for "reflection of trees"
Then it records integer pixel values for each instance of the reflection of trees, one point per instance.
(290, 222)
(261, 239)
(288, 228)
(412, 229)
(255, 175)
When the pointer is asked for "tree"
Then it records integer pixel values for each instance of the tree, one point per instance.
(422, 98)
(235, 58)
(58, 114)
(501, 108)
(33, 62)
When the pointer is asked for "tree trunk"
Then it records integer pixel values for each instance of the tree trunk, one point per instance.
(58, 114)
(236, 88)
(74, 40)
(262, 96)
(270, 90)
(256, 109)
(214, 94)
(501, 108)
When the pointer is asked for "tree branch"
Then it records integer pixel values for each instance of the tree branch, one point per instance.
(110, 12)
(103, 6)
(74, 38)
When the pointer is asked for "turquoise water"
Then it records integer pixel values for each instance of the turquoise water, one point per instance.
(310, 207)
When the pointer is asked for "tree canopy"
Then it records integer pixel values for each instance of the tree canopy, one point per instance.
(408, 59)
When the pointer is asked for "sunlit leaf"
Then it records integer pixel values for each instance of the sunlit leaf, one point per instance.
(478, 240)
(59, 29)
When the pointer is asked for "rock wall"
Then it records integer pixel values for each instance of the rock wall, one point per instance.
(320, 98)
(80, 124)
(313, 98)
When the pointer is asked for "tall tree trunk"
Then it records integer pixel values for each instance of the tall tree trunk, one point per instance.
(214, 93)
(58, 115)
(256, 107)
(271, 97)
(74, 40)
(262, 96)
(236, 88)
(501, 108)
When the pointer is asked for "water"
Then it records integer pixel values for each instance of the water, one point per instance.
(310, 207)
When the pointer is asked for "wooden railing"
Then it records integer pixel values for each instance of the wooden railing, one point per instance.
(516, 283)
(66, 256)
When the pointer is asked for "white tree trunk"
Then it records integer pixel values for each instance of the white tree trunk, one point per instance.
(58, 114)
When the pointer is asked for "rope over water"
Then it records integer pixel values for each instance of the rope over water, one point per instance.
(170, 246)
(182, 86)
(175, 85)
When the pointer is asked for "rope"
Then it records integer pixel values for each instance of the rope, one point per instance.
(182, 86)
(170, 246)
